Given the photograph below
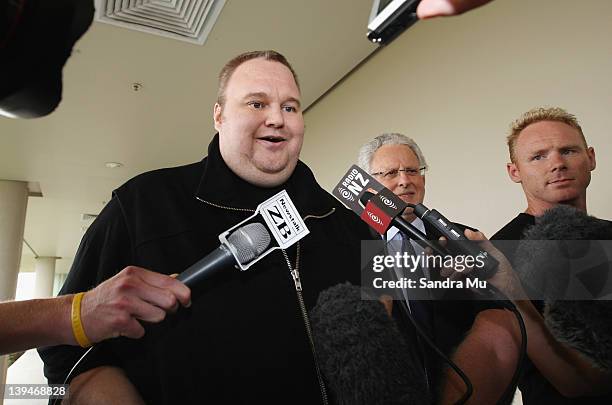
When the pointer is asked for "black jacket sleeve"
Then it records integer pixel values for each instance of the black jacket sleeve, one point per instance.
(104, 251)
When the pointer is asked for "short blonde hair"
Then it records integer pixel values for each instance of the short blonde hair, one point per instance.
(540, 114)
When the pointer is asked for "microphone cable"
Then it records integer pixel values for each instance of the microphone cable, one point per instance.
(91, 349)
(509, 305)
(468, 384)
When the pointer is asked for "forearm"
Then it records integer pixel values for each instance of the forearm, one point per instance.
(488, 380)
(103, 385)
(562, 366)
(35, 323)
(488, 356)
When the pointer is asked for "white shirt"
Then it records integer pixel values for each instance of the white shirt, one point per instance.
(417, 223)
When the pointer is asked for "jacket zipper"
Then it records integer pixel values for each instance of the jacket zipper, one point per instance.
(295, 275)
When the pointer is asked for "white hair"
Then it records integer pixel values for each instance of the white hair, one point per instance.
(367, 151)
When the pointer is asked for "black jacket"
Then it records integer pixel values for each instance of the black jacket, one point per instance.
(243, 340)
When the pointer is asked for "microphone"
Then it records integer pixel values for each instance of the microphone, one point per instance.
(458, 243)
(563, 258)
(585, 326)
(363, 356)
(408, 229)
(243, 245)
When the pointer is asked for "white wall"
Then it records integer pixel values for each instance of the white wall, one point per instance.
(455, 85)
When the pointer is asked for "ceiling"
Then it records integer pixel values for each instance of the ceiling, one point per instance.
(168, 120)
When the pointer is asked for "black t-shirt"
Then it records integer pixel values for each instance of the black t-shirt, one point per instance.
(535, 388)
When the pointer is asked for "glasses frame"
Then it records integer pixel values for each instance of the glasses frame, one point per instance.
(421, 172)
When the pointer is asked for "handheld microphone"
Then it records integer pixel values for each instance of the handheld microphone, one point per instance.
(386, 209)
(565, 257)
(363, 355)
(458, 242)
(409, 229)
(243, 245)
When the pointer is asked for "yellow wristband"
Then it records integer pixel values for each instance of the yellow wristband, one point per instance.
(77, 325)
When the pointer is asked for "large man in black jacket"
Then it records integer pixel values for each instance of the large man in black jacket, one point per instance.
(245, 339)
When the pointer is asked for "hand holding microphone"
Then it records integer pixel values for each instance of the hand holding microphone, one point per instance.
(457, 244)
(115, 307)
(505, 278)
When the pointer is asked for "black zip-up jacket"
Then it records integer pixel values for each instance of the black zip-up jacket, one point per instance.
(243, 340)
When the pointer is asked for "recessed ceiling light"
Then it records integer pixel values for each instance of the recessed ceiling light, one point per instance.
(113, 165)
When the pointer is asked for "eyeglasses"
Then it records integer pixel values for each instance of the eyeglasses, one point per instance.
(393, 173)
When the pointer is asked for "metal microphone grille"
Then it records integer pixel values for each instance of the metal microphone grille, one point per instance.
(249, 241)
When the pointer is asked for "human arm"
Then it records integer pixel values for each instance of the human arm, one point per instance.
(496, 336)
(444, 8)
(101, 386)
(114, 308)
(488, 355)
(105, 249)
(26, 324)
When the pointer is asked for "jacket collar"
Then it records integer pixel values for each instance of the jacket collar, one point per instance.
(221, 186)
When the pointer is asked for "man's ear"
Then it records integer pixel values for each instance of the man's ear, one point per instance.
(217, 112)
(513, 172)
(591, 155)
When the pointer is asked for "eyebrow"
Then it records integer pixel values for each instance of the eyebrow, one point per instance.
(573, 146)
(259, 94)
(544, 150)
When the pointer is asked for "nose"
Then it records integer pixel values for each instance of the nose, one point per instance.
(557, 162)
(275, 117)
(403, 179)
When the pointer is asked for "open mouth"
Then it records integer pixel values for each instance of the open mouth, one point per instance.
(273, 139)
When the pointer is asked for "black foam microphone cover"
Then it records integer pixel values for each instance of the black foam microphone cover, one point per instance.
(364, 357)
(585, 326)
(562, 245)
(562, 238)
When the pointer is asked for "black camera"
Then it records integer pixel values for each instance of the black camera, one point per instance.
(36, 39)
(389, 18)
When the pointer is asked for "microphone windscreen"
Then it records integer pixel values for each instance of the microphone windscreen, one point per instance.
(585, 326)
(568, 223)
(566, 238)
(364, 357)
(562, 246)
